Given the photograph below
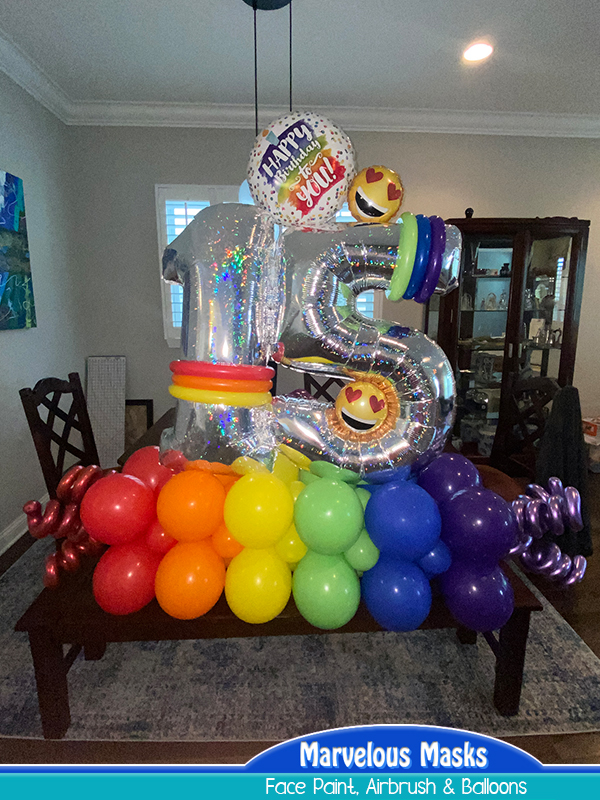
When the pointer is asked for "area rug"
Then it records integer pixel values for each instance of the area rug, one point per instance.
(275, 688)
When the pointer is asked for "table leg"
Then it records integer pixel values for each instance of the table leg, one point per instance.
(94, 649)
(51, 679)
(466, 635)
(510, 662)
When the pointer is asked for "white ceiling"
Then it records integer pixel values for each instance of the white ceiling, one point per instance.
(375, 64)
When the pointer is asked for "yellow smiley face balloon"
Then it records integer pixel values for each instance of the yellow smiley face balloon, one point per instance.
(361, 406)
(375, 195)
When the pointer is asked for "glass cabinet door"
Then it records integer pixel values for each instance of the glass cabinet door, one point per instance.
(515, 316)
(482, 322)
(544, 306)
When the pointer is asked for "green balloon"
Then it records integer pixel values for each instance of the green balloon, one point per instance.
(307, 477)
(326, 590)
(364, 496)
(328, 516)
(326, 470)
(363, 554)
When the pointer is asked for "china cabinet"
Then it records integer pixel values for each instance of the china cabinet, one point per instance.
(514, 318)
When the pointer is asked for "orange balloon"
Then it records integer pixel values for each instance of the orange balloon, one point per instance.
(210, 466)
(190, 505)
(190, 580)
(224, 543)
(227, 481)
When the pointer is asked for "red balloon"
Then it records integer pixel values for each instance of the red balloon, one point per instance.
(117, 509)
(124, 578)
(157, 540)
(145, 465)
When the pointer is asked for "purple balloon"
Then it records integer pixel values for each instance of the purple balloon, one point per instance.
(481, 602)
(535, 490)
(534, 524)
(554, 516)
(555, 486)
(448, 474)
(518, 506)
(562, 569)
(577, 572)
(573, 505)
(521, 546)
(543, 557)
(479, 527)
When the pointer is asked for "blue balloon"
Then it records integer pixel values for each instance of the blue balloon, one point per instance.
(397, 594)
(389, 475)
(421, 258)
(403, 520)
(436, 561)
(482, 602)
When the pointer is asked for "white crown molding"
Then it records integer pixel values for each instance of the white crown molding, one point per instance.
(24, 71)
(29, 76)
(417, 120)
(13, 532)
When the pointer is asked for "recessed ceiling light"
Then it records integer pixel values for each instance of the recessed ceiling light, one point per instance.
(478, 51)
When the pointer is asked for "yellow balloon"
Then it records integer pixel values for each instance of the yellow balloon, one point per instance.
(296, 456)
(244, 465)
(258, 510)
(258, 585)
(291, 547)
(295, 488)
(285, 469)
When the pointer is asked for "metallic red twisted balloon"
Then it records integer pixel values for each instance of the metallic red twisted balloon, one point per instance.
(60, 519)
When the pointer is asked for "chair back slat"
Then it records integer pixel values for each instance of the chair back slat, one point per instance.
(316, 389)
(52, 440)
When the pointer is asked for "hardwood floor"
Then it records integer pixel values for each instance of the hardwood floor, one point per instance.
(579, 605)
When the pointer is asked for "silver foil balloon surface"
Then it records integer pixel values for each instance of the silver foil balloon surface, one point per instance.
(322, 332)
(218, 432)
(232, 285)
(232, 277)
(450, 272)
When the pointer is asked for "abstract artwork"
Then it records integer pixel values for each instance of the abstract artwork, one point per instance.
(17, 309)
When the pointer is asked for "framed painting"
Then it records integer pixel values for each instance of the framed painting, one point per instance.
(17, 308)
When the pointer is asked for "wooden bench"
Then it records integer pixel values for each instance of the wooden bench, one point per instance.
(69, 615)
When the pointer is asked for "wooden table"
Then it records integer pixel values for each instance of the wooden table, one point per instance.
(70, 615)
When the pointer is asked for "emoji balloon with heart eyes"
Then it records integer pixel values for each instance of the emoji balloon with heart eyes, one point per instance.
(375, 195)
(365, 409)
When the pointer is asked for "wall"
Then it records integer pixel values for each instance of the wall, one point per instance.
(116, 169)
(116, 238)
(34, 146)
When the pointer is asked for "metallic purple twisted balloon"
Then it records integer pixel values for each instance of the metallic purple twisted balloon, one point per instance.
(543, 511)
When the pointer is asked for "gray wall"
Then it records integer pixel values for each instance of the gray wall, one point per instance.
(34, 146)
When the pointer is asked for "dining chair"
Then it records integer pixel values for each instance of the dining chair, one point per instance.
(57, 414)
(320, 387)
(516, 445)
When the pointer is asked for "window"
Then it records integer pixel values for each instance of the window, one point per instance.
(176, 207)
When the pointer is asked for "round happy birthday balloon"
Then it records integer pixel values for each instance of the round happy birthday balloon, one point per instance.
(300, 169)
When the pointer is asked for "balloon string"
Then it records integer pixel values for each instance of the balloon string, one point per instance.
(255, 74)
(290, 55)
